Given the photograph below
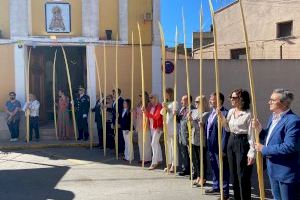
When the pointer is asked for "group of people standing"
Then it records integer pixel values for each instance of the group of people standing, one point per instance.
(279, 142)
(31, 108)
(13, 110)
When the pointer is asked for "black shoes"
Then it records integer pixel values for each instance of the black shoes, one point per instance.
(212, 192)
(183, 173)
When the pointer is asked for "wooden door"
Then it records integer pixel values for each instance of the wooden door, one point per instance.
(37, 80)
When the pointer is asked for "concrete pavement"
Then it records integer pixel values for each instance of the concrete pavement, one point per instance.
(80, 173)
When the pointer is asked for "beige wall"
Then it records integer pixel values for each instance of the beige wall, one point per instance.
(4, 18)
(136, 11)
(7, 72)
(268, 74)
(38, 18)
(124, 62)
(261, 19)
(109, 17)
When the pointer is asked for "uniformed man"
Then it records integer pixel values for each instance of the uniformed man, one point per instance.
(82, 107)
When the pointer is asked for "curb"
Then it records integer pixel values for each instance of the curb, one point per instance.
(41, 146)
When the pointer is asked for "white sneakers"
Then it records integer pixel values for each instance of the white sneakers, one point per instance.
(13, 139)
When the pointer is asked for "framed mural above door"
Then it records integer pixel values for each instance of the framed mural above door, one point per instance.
(58, 17)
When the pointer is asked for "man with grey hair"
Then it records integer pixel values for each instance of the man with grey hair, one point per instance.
(183, 136)
(280, 143)
(33, 107)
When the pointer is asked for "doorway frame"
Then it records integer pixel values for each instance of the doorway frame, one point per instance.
(21, 60)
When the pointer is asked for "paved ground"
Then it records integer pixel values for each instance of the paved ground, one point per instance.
(22, 144)
(81, 173)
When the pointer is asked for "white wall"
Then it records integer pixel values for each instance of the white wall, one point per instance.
(269, 74)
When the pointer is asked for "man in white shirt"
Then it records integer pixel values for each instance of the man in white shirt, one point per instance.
(32, 107)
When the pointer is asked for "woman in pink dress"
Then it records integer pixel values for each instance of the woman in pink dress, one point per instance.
(63, 119)
(138, 124)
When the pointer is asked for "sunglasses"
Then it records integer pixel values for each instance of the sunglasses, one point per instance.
(231, 97)
(197, 101)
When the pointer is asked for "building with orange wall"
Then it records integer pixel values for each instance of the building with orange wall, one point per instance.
(83, 28)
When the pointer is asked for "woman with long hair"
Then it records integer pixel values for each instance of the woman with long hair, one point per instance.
(170, 108)
(64, 128)
(138, 124)
(198, 121)
(240, 148)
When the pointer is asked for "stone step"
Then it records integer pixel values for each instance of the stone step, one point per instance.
(45, 134)
(6, 145)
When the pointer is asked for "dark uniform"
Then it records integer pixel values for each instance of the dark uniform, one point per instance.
(98, 120)
(82, 107)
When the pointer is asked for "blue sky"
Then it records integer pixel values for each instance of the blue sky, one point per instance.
(171, 17)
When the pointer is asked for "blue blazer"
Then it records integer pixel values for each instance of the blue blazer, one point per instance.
(212, 140)
(282, 150)
(125, 121)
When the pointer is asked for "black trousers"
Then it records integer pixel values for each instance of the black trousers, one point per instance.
(184, 158)
(110, 141)
(240, 172)
(100, 132)
(83, 128)
(121, 142)
(34, 126)
(196, 161)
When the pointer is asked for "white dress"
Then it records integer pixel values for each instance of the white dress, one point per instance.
(170, 129)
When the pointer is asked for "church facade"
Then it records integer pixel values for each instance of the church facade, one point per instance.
(39, 28)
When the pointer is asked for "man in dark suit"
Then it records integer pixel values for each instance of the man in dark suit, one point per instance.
(121, 144)
(183, 136)
(211, 130)
(280, 145)
(82, 108)
(98, 119)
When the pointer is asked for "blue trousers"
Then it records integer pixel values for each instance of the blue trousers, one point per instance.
(13, 127)
(214, 162)
(283, 191)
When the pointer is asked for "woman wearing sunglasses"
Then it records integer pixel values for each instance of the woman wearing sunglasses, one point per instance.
(240, 148)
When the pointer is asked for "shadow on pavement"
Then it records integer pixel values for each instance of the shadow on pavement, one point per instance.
(37, 184)
(88, 156)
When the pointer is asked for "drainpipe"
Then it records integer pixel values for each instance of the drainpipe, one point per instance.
(280, 50)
